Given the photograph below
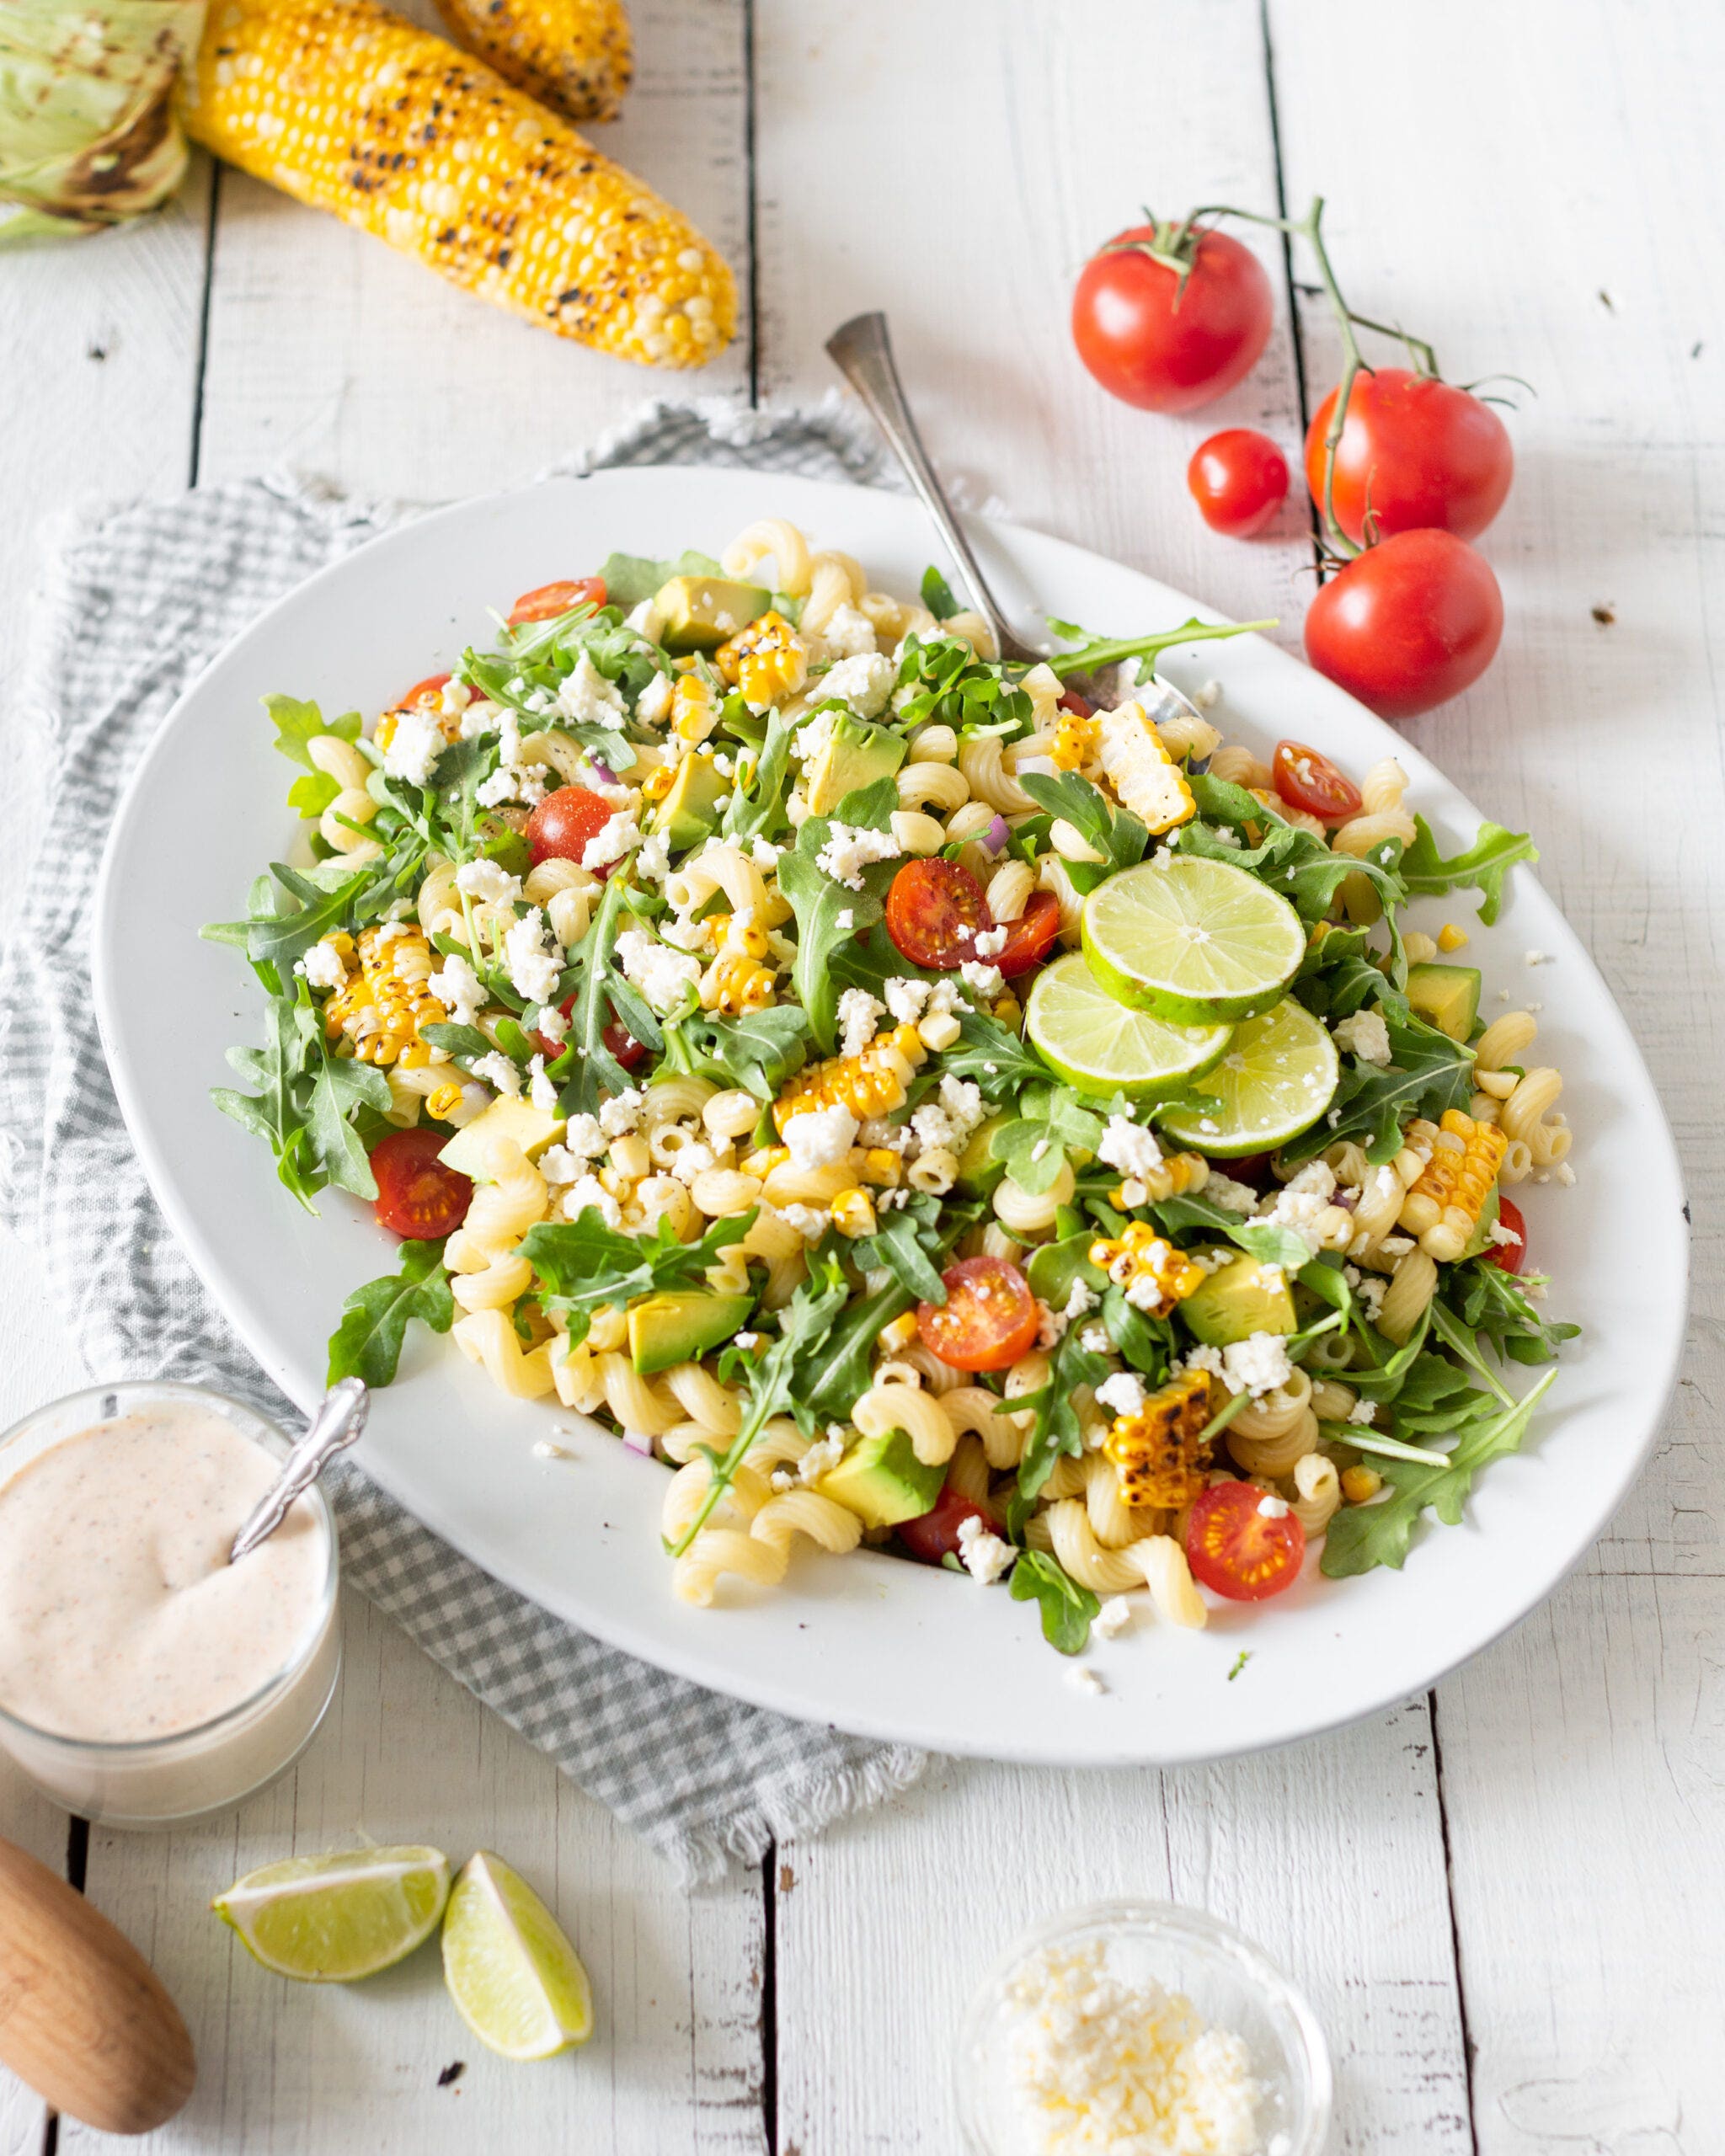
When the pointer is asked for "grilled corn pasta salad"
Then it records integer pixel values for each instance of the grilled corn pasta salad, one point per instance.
(923, 1104)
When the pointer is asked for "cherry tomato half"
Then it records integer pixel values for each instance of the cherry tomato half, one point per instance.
(1308, 780)
(934, 912)
(1237, 1550)
(1239, 480)
(1509, 1256)
(1080, 707)
(617, 1037)
(1166, 345)
(429, 691)
(561, 826)
(989, 1319)
(932, 1535)
(1418, 453)
(419, 1198)
(551, 599)
(1031, 936)
(1407, 624)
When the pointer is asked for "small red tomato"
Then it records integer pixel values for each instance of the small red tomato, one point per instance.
(419, 1198)
(1237, 1550)
(617, 1037)
(561, 826)
(1417, 454)
(1307, 779)
(551, 599)
(1511, 1257)
(1080, 707)
(989, 1319)
(1239, 480)
(423, 692)
(934, 912)
(1166, 343)
(932, 1535)
(1031, 936)
(1407, 624)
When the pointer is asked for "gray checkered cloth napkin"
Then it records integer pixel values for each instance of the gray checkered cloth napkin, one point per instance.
(135, 603)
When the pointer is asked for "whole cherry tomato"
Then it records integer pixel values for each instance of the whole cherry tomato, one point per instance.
(989, 1319)
(1164, 343)
(932, 1535)
(1407, 624)
(1239, 480)
(1418, 453)
(1031, 936)
(551, 599)
(561, 826)
(1237, 1549)
(1307, 779)
(1509, 1256)
(419, 1198)
(934, 912)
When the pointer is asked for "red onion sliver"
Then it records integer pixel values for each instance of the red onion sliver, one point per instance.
(996, 836)
(638, 1441)
(605, 774)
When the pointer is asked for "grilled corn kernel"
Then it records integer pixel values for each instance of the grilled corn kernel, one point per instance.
(900, 1333)
(1173, 1177)
(873, 1083)
(694, 710)
(732, 931)
(381, 1007)
(659, 781)
(1359, 1483)
(882, 1167)
(445, 1097)
(1154, 1274)
(1450, 937)
(1159, 1455)
(1443, 1208)
(768, 660)
(1142, 773)
(853, 1213)
(574, 56)
(1075, 742)
(734, 984)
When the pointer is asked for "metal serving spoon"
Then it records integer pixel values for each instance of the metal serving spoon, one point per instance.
(336, 1425)
(862, 351)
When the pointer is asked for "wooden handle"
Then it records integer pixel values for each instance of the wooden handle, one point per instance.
(83, 2017)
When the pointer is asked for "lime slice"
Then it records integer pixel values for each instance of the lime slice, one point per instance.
(517, 1982)
(1195, 941)
(1100, 1047)
(330, 1920)
(1275, 1080)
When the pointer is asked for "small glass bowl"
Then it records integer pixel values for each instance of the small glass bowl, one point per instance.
(1227, 1979)
(215, 1765)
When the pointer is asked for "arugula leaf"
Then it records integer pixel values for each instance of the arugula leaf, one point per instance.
(1055, 1429)
(342, 1085)
(1339, 976)
(278, 939)
(582, 1263)
(835, 1369)
(758, 1051)
(868, 808)
(297, 724)
(951, 686)
(1495, 1306)
(1362, 1536)
(1067, 1609)
(1146, 1343)
(1428, 1073)
(367, 1344)
(273, 1114)
(494, 677)
(601, 983)
(755, 808)
(908, 1242)
(313, 794)
(631, 577)
(1093, 652)
(937, 594)
(770, 1386)
(829, 916)
(993, 1057)
(1484, 864)
(1296, 864)
(1034, 1146)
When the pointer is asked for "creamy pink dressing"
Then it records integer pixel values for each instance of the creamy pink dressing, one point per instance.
(120, 1618)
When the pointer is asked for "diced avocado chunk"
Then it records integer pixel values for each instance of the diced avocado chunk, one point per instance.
(977, 1171)
(673, 1328)
(1447, 996)
(699, 613)
(1237, 1300)
(691, 810)
(856, 754)
(882, 1480)
(531, 1129)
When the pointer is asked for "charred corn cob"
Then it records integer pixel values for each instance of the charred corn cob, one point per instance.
(1157, 1454)
(576, 55)
(382, 1004)
(873, 1083)
(352, 110)
(1154, 1274)
(1075, 742)
(734, 983)
(1173, 1177)
(767, 661)
(1443, 1208)
(1142, 773)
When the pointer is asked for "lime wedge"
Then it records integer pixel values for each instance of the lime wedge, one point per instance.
(516, 1981)
(330, 1919)
(1275, 1080)
(1195, 941)
(1098, 1046)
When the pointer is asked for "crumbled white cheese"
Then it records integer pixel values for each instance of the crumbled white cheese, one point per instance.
(540, 1089)
(1094, 1340)
(1504, 1237)
(1365, 1035)
(1081, 1302)
(321, 966)
(859, 1016)
(819, 1138)
(560, 1163)
(620, 835)
(1209, 695)
(480, 716)
(847, 632)
(934, 1128)
(1258, 1365)
(849, 849)
(1536, 958)
(459, 990)
(1271, 1506)
(1122, 1393)
(1232, 1196)
(809, 1221)
(693, 1159)
(588, 698)
(864, 682)
(552, 1022)
(660, 973)
(1127, 1147)
(821, 1457)
(496, 1070)
(584, 1136)
(654, 701)
(645, 621)
(984, 980)
(1363, 1411)
(587, 1194)
(808, 741)
(1114, 1615)
(533, 957)
(489, 882)
(618, 1117)
(981, 1552)
(905, 997)
(653, 859)
(1083, 1679)
(765, 854)
(989, 942)
(414, 746)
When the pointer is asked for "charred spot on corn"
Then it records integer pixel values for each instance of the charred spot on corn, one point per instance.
(1159, 1455)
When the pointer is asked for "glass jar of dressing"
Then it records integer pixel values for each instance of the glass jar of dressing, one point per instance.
(143, 1679)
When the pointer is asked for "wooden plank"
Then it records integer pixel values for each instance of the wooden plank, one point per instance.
(408, 1757)
(330, 354)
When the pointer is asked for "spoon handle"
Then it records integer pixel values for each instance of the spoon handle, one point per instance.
(862, 351)
(337, 1424)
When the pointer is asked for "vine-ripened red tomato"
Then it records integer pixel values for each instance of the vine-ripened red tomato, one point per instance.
(1419, 454)
(1166, 345)
(1308, 780)
(1237, 1549)
(989, 1319)
(1510, 1257)
(1239, 480)
(1407, 624)
(560, 828)
(934, 912)
(933, 1534)
(1031, 936)
(548, 600)
(418, 1197)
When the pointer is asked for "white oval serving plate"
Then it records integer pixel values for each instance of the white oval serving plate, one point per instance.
(870, 1642)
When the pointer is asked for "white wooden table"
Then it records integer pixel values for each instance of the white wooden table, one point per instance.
(1505, 1898)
